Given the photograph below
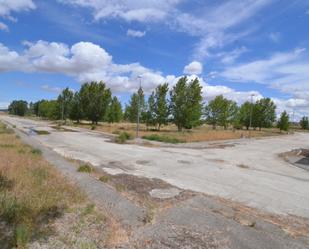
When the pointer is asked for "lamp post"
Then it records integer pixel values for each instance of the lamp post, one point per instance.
(138, 105)
(251, 110)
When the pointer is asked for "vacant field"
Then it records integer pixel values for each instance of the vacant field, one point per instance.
(203, 133)
(39, 207)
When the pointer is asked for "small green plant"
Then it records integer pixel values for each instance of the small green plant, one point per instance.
(22, 235)
(104, 178)
(42, 132)
(85, 168)
(164, 139)
(14, 126)
(93, 127)
(88, 209)
(120, 187)
(123, 137)
(36, 152)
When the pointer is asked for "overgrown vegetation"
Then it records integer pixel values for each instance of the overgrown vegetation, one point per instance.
(85, 168)
(162, 138)
(123, 137)
(32, 193)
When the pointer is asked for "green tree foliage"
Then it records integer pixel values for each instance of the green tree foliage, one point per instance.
(245, 113)
(221, 111)
(137, 101)
(284, 122)
(114, 111)
(65, 103)
(304, 123)
(95, 99)
(76, 112)
(161, 108)
(49, 109)
(18, 107)
(151, 111)
(264, 113)
(186, 103)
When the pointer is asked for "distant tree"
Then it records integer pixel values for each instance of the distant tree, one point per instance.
(284, 122)
(18, 107)
(161, 108)
(137, 101)
(114, 111)
(186, 103)
(95, 98)
(304, 123)
(76, 112)
(264, 113)
(151, 111)
(49, 109)
(65, 103)
(245, 113)
(221, 111)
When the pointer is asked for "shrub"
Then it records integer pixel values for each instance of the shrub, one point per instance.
(164, 139)
(36, 151)
(123, 137)
(93, 127)
(85, 168)
(104, 178)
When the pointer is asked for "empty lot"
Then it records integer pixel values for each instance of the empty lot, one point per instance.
(247, 171)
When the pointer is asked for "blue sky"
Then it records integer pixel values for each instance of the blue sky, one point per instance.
(236, 48)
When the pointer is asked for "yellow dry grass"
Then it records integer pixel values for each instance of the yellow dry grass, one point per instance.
(202, 133)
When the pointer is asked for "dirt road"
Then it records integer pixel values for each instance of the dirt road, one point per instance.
(247, 171)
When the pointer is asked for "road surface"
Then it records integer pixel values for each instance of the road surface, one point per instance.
(247, 171)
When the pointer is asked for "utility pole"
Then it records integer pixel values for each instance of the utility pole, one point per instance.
(138, 105)
(251, 110)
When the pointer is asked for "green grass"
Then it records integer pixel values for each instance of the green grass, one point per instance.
(36, 152)
(123, 137)
(41, 132)
(164, 139)
(85, 168)
(104, 178)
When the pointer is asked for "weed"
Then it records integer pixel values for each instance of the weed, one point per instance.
(104, 178)
(85, 168)
(120, 187)
(88, 209)
(42, 132)
(22, 235)
(14, 126)
(21, 151)
(36, 152)
(164, 139)
(5, 183)
(123, 137)
(93, 127)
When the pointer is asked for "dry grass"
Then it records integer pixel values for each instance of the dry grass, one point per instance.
(32, 193)
(203, 133)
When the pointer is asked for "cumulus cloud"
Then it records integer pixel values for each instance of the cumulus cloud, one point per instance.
(194, 67)
(9, 6)
(136, 33)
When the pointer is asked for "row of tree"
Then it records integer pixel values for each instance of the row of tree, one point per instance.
(182, 105)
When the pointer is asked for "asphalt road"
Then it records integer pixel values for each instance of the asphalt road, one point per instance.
(247, 171)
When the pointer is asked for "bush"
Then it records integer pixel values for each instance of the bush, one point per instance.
(104, 178)
(123, 137)
(85, 168)
(36, 151)
(164, 139)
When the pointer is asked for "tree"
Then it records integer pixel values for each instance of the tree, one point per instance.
(284, 122)
(49, 109)
(161, 108)
(65, 103)
(114, 111)
(76, 112)
(95, 98)
(137, 101)
(186, 103)
(244, 114)
(304, 123)
(264, 113)
(18, 107)
(151, 111)
(221, 111)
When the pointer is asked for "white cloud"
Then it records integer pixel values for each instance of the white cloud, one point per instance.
(136, 33)
(194, 67)
(130, 10)
(4, 27)
(231, 56)
(51, 88)
(4, 105)
(9, 6)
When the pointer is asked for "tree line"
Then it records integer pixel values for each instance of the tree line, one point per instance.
(181, 105)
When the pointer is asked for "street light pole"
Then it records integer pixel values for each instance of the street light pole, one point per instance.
(138, 106)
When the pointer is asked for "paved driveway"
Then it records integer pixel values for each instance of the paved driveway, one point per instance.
(248, 171)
